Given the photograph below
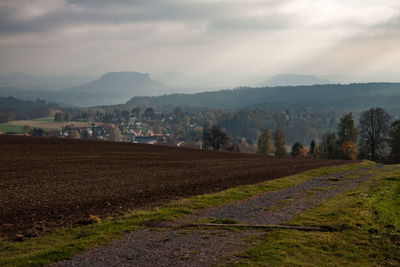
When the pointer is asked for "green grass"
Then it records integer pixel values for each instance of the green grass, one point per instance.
(9, 127)
(48, 119)
(64, 243)
(5, 127)
(366, 221)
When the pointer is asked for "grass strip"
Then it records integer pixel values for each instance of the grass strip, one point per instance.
(367, 230)
(66, 242)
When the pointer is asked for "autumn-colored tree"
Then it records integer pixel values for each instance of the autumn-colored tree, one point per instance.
(346, 130)
(156, 127)
(76, 134)
(347, 134)
(115, 133)
(279, 144)
(264, 143)
(303, 153)
(349, 150)
(298, 150)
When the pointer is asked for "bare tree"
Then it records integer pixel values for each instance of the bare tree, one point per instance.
(373, 130)
(394, 141)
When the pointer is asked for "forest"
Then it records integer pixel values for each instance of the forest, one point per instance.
(351, 97)
(16, 109)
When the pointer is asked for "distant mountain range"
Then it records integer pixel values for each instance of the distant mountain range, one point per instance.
(136, 88)
(111, 88)
(40, 83)
(121, 83)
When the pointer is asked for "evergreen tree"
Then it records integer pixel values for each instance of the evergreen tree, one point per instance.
(312, 147)
(37, 132)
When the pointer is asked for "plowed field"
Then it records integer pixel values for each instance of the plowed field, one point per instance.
(48, 183)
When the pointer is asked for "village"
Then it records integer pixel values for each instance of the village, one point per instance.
(177, 129)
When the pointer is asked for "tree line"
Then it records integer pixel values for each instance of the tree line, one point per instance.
(376, 138)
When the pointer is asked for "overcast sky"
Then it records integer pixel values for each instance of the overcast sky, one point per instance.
(230, 42)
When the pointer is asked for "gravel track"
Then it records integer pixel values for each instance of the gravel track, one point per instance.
(204, 247)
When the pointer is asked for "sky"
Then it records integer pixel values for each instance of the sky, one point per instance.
(221, 43)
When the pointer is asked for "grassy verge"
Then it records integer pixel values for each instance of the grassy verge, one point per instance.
(367, 224)
(64, 243)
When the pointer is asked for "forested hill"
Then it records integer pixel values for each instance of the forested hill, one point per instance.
(13, 103)
(16, 109)
(332, 96)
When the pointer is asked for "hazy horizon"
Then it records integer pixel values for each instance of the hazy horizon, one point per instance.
(208, 43)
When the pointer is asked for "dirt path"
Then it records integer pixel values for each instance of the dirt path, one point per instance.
(176, 245)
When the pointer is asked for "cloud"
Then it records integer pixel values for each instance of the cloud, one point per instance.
(229, 38)
(254, 23)
(220, 14)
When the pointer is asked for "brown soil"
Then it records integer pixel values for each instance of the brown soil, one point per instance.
(47, 183)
